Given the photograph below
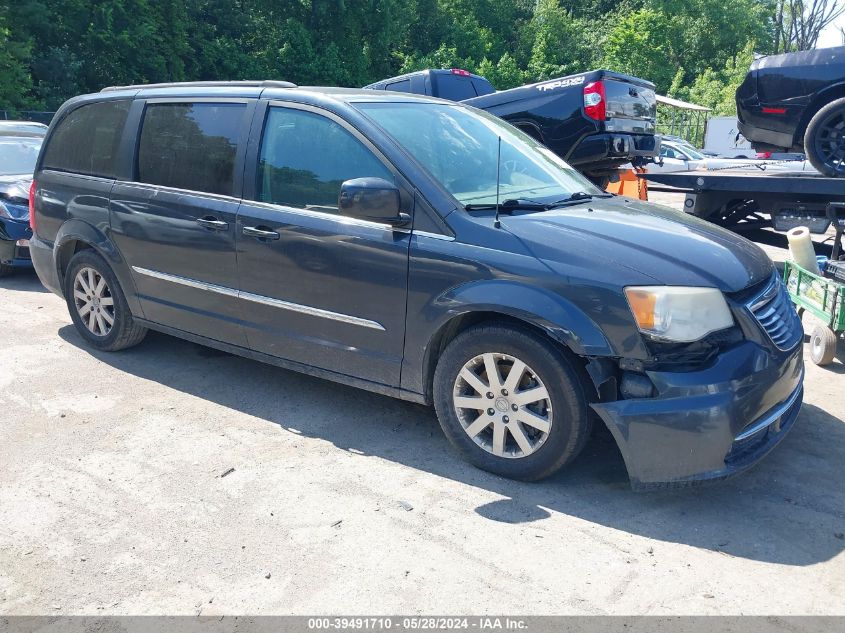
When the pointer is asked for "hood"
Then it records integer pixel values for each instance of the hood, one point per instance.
(668, 246)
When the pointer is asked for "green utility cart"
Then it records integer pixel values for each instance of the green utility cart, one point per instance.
(822, 297)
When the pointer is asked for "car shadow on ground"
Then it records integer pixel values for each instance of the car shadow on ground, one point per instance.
(22, 279)
(788, 510)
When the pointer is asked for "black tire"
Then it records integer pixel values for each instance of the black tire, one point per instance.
(124, 331)
(5, 270)
(820, 149)
(570, 422)
(823, 342)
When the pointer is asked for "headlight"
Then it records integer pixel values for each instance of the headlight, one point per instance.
(677, 313)
(13, 211)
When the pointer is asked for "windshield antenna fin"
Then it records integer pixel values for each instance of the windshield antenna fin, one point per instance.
(496, 222)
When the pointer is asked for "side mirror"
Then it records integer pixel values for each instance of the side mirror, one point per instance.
(371, 199)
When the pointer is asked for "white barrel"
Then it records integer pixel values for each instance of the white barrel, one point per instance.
(801, 249)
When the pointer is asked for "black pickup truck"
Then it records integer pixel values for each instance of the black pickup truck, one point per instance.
(796, 102)
(596, 121)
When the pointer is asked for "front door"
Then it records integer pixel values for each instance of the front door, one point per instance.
(175, 222)
(317, 287)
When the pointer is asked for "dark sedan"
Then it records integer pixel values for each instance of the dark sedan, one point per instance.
(19, 147)
(796, 103)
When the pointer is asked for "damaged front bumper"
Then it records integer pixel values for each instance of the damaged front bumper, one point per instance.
(708, 424)
(14, 243)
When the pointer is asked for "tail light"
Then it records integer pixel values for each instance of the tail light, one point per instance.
(32, 207)
(461, 72)
(595, 101)
(764, 155)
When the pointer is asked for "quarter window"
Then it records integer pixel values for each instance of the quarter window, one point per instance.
(305, 157)
(86, 140)
(190, 145)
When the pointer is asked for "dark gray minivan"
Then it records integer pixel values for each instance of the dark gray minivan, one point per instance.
(422, 249)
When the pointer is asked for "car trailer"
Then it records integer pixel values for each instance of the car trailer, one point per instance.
(752, 197)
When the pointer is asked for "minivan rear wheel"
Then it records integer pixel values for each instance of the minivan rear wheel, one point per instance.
(510, 402)
(97, 305)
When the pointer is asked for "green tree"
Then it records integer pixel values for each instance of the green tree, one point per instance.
(503, 74)
(15, 79)
(60, 48)
(641, 43)
(558, 42)
(716, 89)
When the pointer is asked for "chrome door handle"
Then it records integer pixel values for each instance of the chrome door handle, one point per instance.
(213, 223)
(261, 234)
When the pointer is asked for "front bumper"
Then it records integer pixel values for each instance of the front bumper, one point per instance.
(708, 424)
(14, 247)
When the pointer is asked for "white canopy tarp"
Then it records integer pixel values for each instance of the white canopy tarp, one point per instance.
(677, 103)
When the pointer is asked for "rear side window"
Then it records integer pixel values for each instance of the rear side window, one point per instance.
(455, 87)
(482, 87)
(190, 145)
(305, 157)
(400, 86)
(86, 140)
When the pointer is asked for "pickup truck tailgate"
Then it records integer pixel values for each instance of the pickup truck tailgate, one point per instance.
(631, 106)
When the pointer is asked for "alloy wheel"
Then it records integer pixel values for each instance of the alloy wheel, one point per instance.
(502, 405)
(94, 301)
(830, 141)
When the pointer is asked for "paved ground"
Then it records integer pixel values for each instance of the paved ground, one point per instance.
(113, 499)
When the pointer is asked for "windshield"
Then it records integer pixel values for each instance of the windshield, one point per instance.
(18, 155)
(692, 153)
(459, 148)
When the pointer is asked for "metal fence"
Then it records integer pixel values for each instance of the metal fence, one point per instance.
(27, 115)
(684, 123)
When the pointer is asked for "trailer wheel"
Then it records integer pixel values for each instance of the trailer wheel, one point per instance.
(824, 142)
(822, 345)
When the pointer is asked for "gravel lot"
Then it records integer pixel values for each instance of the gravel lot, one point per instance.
(115, 499)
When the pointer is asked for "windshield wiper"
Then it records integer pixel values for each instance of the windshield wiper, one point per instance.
(523, 203)
(507, 205)
(578, 196)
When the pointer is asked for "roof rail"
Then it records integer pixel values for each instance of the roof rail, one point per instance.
(267, 83)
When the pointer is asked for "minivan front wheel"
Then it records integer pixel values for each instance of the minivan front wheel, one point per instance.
(510, 402)
(97, 305)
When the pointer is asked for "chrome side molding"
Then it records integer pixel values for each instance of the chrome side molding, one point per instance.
(269, 301)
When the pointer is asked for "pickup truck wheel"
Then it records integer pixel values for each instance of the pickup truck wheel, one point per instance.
(5, 270)
(824, 140)
(510, 402)
(97, 305)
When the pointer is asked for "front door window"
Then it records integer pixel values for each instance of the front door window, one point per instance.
(305, 157)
